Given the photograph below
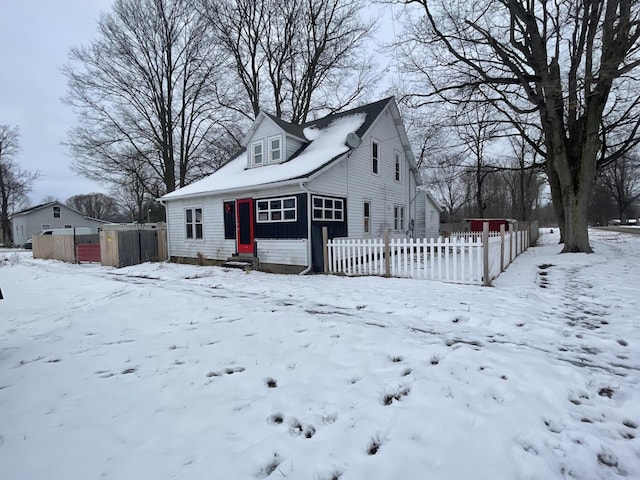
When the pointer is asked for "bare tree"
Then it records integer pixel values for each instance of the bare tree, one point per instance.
(447, 180)
(146, 89)
(572, 63)
(476, 129)
(621, 182)
(135, 189)
(15, 183)
(294, 57)
(523, 177)
(95, 205)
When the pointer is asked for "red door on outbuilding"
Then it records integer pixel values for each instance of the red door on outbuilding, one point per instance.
(494, 224)
(88, 252)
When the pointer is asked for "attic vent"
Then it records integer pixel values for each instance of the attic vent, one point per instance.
(353, 140)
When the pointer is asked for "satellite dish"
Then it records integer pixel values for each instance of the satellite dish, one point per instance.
(353, 140)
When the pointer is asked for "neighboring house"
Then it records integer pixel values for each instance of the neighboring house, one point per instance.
(428, 216)
(33, 220)
(352, 172)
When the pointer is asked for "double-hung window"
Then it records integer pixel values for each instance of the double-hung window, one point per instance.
(367, 216)
(325, 208)
(56, 212)
(275, 149)
(276, 210)
(257, 155)
(375, 156)
(398, 218)
(193, 223)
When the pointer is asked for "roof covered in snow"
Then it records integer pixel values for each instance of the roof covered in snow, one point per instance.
(326, 139)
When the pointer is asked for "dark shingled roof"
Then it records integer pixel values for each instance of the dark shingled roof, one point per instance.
(290, 128)
(371, 109)
(37, 207)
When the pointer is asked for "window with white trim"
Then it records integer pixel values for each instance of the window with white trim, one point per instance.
(68, 226)
(328, 209)
(46, 226)
(257, 155)
(398, 166)
(398, 218)
(277, 210)
(275, 149)
(375, 156)
(56, 212)
(193, 223)
(366, 215)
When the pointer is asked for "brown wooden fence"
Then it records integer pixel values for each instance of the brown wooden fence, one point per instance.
(61, 247)
(54, 247)
(118, 248)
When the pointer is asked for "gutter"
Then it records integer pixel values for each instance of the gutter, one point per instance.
(283, 183)
(309, 246)
(166, 221)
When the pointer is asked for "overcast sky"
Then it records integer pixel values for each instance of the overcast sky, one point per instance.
(35, 38)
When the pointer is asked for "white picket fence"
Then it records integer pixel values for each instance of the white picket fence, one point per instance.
(462, 259)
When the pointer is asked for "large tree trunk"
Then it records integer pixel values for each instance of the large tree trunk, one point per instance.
(576, 228)
(556, 198)
(5, 225)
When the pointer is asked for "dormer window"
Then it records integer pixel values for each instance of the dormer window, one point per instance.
(275, 149)
(256, 153)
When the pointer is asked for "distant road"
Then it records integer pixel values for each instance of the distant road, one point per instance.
(621, 228)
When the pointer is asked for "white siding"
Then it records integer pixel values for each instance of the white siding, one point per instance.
(268, 129)
(284, 252)
(432, 220)
(420, 207)
(353, 178)
(332, 182)
(213, 244)
(292, 145)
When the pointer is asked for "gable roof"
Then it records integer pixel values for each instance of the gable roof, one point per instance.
(372, 110)
(325, 143)
(433, 201)
(290, 128)
(42, 206)
(36, 207)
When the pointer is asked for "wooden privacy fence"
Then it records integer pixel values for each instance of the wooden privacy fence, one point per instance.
(118, 248)
(467, 259)
(121, 248)
(67, 248)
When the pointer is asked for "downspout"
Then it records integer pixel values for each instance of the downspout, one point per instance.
(309, 255)
(166, 221)
(412, 226)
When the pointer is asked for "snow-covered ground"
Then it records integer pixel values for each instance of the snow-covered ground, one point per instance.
(165, 371)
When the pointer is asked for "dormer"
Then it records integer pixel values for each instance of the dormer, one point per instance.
(271, 140)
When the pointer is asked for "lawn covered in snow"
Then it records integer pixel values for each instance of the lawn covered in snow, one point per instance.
(166, 371)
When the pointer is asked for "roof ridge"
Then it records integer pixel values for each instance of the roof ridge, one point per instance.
(342, 113)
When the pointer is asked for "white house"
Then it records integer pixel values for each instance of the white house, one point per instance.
(46, 216)
(428, 215)
(352, 172)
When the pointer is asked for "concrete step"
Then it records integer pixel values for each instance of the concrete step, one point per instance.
(242, 262)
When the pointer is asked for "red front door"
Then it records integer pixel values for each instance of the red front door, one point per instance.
(245, 225)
